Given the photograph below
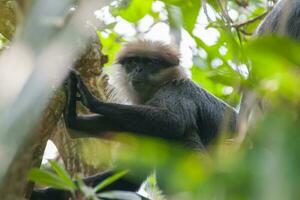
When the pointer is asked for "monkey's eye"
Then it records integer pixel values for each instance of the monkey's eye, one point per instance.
(129, 67)
(130, 61)
(155, 61)
(151, 63)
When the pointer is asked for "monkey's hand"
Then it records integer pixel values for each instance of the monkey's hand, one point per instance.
(70, 87)
(70, 84)
(86, 96)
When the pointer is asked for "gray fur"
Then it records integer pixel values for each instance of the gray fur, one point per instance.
(165, 104)
(284, 19)
(201, 112)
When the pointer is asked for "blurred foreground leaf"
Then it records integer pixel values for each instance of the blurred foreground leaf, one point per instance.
(110, 180)
(189, 9)
(133, 10)
(50, 179)
(63, 174)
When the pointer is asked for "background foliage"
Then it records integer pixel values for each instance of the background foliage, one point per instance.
(265, 167)
(225, 60)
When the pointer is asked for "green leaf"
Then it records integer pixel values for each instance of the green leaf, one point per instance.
(189, 9)
(278, 47)
(63, 174)
(89, 192)
(47, 178)
(224, 76)
(111, 45)
(174, 17)
(134, 11)
(215, 4)
(3, 40)
(110, 180)
(275, 65)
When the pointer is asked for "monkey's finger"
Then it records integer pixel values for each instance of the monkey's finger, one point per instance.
(74, 73)
(78, 98)
(81, 86)
(71, 78)
(69, 83)
(81, 98)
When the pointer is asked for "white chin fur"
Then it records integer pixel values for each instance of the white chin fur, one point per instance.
(123, 91)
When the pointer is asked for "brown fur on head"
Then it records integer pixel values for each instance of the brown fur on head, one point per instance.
(167, 61)
(150, 49)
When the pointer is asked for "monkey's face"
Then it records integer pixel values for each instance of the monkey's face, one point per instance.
(145, 66)
(142, 73)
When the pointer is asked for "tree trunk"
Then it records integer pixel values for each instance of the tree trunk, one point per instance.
(8, 18)
(31, 153)
(87, 156)
(72, 152)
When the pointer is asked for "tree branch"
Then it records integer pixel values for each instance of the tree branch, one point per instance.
(250, 20)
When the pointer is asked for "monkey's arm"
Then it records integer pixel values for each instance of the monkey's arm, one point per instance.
(93, 124)
(140, 119)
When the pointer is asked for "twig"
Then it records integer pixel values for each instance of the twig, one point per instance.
(250, 20)
(244, 32)
(204, 6)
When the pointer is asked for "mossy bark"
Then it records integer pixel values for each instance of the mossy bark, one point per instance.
(87, 156)
(76, 154)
